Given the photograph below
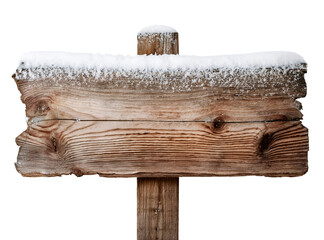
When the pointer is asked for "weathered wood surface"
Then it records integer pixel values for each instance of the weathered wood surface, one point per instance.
(158, 43)
(157, 208)
(49, 102)
(240, 98)
(160, 149)
(163, 124)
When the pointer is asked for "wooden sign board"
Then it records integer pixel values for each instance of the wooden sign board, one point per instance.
(162, 116)
(162, 123)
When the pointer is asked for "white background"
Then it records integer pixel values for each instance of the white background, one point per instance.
(210, 208)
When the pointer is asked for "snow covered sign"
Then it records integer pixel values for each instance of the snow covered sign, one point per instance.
(159, 116)
(165, 115)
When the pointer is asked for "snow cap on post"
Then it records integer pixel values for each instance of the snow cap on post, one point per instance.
(157, 40)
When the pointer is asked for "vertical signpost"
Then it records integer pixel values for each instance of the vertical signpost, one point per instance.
(157, 198)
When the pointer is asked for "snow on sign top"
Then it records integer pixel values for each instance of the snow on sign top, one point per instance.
(156, 29)
(282, 71)
(160, 62)
(174, 73)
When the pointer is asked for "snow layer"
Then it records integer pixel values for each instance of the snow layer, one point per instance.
(274, 72)
(159, 63)
(156, 29)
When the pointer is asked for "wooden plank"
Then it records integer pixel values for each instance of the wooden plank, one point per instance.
(129, 98)
(50, 102)
(163, 149)
(157, 208)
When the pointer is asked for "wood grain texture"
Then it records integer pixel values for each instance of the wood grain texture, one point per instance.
(163, 149)
(50, 102)
(157, 208)
(253, 97)
(169, 124)
(158, 43)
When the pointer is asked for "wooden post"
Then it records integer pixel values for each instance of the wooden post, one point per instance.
(157, 208)
(157, 43)
(157, 198)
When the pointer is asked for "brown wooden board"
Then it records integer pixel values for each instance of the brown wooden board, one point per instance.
(116, 123)
(44, 100)
(160, 149)
(127, 131)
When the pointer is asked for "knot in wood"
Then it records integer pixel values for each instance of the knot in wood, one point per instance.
(218, 123)
(77, 172)
(41, 107)
(265, 143)
(54, 143)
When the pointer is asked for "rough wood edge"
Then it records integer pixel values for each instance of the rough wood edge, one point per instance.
(262, 150)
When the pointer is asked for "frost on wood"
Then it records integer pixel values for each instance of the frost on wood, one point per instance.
(272, 71)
